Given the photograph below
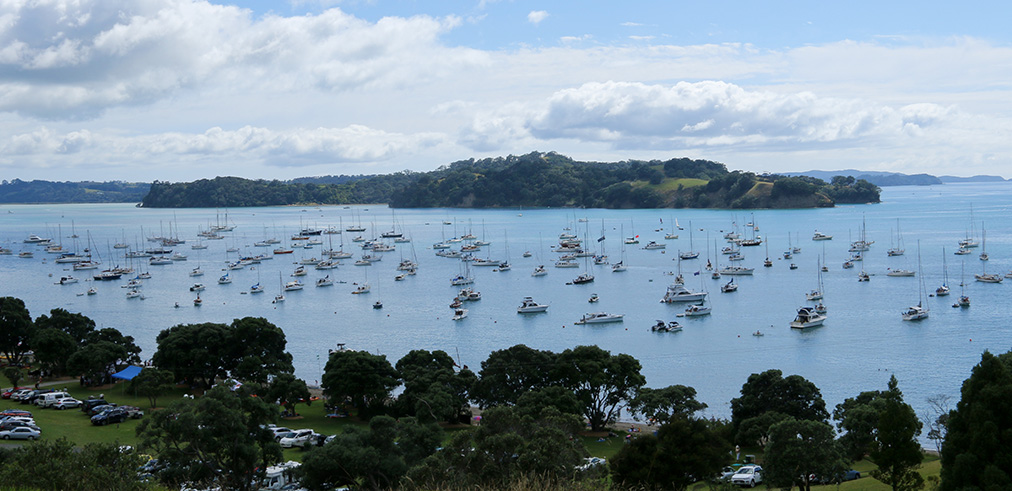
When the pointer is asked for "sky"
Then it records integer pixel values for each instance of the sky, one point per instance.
(178, 90)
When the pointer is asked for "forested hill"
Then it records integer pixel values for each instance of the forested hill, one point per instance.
(532, 180)
(18, 191)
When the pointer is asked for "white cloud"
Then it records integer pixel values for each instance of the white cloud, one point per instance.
(536, 16)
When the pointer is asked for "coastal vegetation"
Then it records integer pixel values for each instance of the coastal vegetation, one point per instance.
(532, 180)
(538, 426)
(18, 191)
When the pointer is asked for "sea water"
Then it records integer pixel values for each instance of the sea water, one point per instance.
(862, 343)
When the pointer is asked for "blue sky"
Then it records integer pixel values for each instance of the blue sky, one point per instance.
(186, 89)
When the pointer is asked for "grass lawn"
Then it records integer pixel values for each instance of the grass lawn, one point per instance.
(669, 184)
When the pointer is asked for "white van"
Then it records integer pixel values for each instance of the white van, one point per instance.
(47, 400)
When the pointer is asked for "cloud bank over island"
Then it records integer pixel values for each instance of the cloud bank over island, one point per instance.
(185, 89)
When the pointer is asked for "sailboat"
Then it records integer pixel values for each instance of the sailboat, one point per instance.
(917, 312)
(964, 301)
(984, 276)
(767, 263)
(898, 250)
(944, 289)
(969, 241)
(817, 293)
(983, 243)
(620, 265)
(280, 297)
(672, 235)
(690, 254)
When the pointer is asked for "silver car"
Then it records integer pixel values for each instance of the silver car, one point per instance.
(20, 433)
(748, 475)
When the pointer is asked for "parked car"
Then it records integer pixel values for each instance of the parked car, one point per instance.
(15, 412)
(7, 393)
(748, 475)
(98, 409)
(18, 394)
(133, 412)
(33, 395)
(725, 474)
(278, 431)
(298, 438)
(20, 433)
(47, 400)
(90, 403)
(110, 416)
(23, 419)
(65, 403)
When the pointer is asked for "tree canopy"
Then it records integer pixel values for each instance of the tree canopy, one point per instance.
(792, 396)
(800, 449)
(363, 379)
(600, 380)
(509, 373)
(684, 450)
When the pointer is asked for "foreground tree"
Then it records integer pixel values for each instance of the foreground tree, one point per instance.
(287, 390)
(977, 453)
(665, 405)
(52, 348)
(503, 448)
(600, 380)
(220, 438)
(508, 374)
(858, 418)
(799, 449)
(363, 379)
(897, 453)
(96, 360)
(152, 383)
(433, 390)
(14, 374)
(256, 350)
(193, 352)
(75, 325)
(683, 450)
(71, 468)
(770, 391)
(16, 329)
(375, 458)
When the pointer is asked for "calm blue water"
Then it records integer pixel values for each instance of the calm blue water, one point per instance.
(861, 345)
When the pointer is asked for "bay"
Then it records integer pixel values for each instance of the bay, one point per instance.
(862, 343)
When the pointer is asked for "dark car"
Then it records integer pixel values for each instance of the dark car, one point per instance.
(15, 412)
(110, 416)
(90, 403)
(8, 425)
(30, 398)
(97, 409)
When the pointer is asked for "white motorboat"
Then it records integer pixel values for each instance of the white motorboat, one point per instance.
(678, 293)
(915, 313)
(459, 314)
(651, 246)
(807, 317)
(361, 289)
(133, 294)
(900, 273)
(293, 286)
(599, 318)
(197, 287)
(539, 271)
(566, 264)
(662, 326)
(729, 287)
(529, 306)
(583, 278)
(325, 281)
(159, 260)
(300, 271)
(197, 272)
(66, 280)
(737, 270)
(821, 236)
(696, 311)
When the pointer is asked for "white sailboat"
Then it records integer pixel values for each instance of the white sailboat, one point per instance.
(944, 289)
(919, 311)
(690, 254)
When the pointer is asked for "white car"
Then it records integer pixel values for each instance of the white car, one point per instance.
(278, 431)
(748, 475)
(298, 438)
(20, 433)
(65, 403)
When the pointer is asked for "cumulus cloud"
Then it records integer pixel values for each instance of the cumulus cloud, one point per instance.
(536, 16)
(708, 113)
(66, 59)
(354, 143)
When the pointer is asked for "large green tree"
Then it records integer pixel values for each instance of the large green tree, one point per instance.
(363, 379)
(71, 467)
(76, 325)
(857, 418)
(977, 453)
(220, 438)
(373, 458)
(433, 390)
(195, 353)
(897, 453)
(507, 374)
(16, 329)
(600, 380)
(799, 449)
(152, 383)
(665, 404)
(256, 350)
(52, 348)
(792, 396)
(684, 450)
(96, 359)
(287, 390)
(505, 446)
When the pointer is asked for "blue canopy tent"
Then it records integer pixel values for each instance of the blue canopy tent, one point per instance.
(128, 373)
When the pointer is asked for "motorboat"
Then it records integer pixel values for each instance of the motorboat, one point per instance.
(696, 310)
(197, 302)
(848, 264)
(678, 293)
(821, 236)
(361, 289)
(66, 280)
(293, 286)
(863, 276)
(377, 305)
(662, 326)
(566, 264)
(26, 254)
(651, 246)
(133, 294)
(988, 278)
(821, 308)
(459, 314)
(197, 287)
(469, 295)
(197, 272)
(107, 275)
(539, 271)
(900, 273)
(300, 271)
(599, 318)
(461, 280)
(529, 306)
(325, 281)
(159, 261)
(92, 291)
(583, 278)
(807, 317)
(593, 298)
(737, 271)
(35, 239)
